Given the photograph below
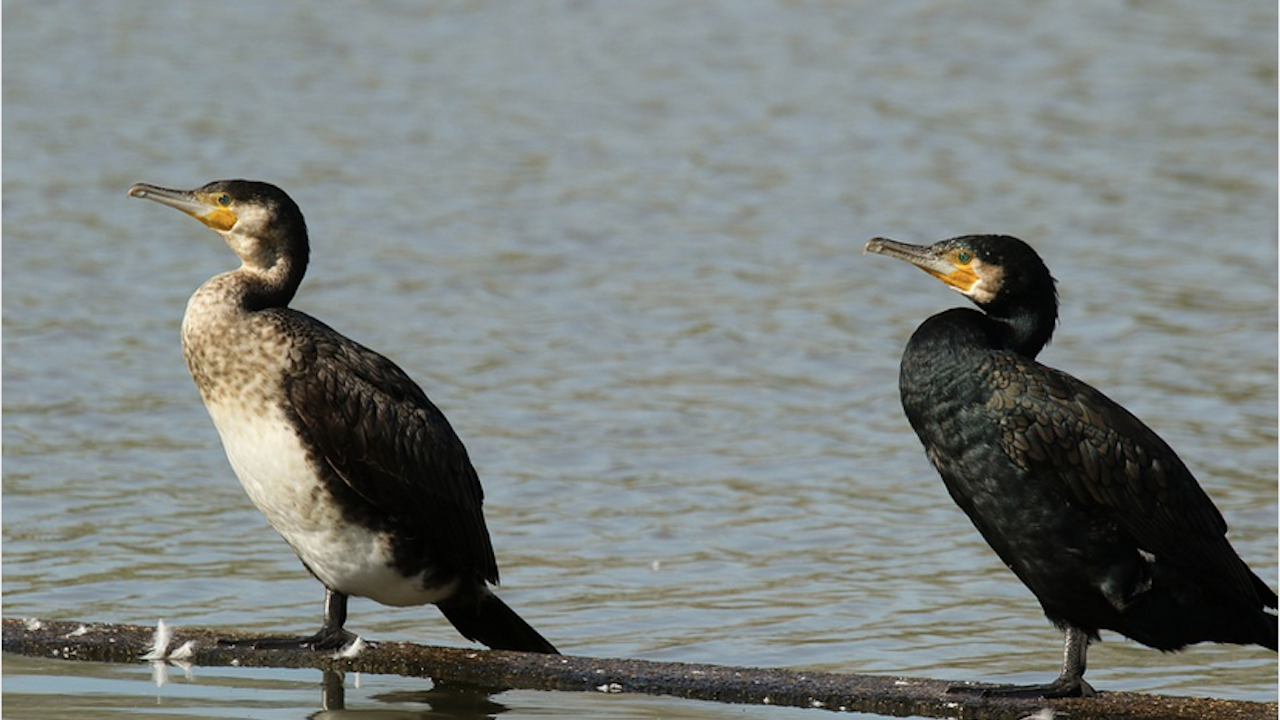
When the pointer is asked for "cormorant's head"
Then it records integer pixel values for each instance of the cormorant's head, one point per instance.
(990, 270)
(258, 220)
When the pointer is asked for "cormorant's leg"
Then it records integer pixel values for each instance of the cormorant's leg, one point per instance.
(1070, 682)
(331, 635)
(1075, 647)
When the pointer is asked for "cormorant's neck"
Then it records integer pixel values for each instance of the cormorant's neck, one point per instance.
(272, 286)
(271, 266)
(1025, 327)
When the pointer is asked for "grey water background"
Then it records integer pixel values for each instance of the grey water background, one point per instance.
(620, 245)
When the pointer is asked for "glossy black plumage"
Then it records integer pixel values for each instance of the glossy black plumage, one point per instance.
(339, 448)
(1091, 509)
(394, 453)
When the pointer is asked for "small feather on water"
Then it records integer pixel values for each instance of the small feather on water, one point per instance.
(160, 641)
(184, 651)
(352, 650)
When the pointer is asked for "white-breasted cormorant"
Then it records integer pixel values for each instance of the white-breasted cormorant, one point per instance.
(1087, 505)
(335, 444)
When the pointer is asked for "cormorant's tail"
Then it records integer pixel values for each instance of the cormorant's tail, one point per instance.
(1268, 640)
(1264, 591)
(488, 620)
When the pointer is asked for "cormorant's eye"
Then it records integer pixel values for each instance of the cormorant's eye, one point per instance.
(964, 257)
(224, 199)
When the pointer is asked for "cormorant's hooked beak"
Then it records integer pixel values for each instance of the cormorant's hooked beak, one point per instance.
(945, 265)
(195, 203)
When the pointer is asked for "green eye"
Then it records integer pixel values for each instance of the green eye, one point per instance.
(224, 200)
(964, 257)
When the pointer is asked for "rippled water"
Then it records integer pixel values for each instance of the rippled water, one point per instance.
(620, 245)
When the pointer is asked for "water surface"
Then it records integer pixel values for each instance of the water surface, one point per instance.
(620, 246)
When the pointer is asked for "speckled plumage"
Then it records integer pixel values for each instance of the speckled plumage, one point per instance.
(1091, 509)
(342, 452)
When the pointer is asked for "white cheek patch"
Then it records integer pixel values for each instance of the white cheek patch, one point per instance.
(987, 287)
(253, 218)
(245, 237)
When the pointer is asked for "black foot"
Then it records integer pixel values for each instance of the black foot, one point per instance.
(1060, 688)
(326, 639)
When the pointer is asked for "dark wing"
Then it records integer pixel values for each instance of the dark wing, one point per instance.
(1103, 458)
(390, 445)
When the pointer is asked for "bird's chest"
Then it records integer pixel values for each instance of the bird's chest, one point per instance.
(235, 356)
(274, 466)
(239, 362)
(966, 416)
(287, 482)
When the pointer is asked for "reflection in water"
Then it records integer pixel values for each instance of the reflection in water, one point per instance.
(452, 701)
(333, 691)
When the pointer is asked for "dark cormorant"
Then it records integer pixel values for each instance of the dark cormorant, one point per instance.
(334, 443)
(1086, 504)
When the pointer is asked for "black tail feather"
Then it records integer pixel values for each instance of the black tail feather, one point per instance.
(1268, 639)
(1265, 592)
(488, 620)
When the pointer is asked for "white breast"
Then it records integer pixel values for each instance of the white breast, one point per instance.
(273, 465)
